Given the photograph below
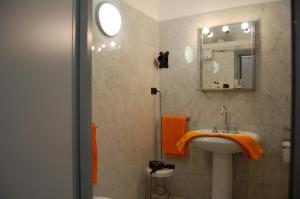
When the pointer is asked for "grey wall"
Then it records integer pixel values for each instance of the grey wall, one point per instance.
(36, 77)
(265, 111)
(122, 105)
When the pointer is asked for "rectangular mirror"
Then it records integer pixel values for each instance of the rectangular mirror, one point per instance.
(227, 55)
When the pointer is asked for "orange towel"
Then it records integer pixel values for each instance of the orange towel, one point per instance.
(250, 147)
(173, 128)
(94, 155)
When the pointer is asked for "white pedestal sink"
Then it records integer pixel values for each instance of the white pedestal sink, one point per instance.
(222, 150)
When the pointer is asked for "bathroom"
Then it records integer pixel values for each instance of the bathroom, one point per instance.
(140, 99)
(127, 115)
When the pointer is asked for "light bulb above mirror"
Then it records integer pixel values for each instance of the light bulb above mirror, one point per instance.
(210, 35)
(245, 27)
(205, 31)
(225, 29)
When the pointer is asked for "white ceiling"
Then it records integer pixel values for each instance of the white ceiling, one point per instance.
(161, 10)
(148, 7)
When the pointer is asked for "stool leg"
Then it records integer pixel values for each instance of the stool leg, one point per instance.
(168, 186)
(150, 187)
(147, 187)
(172, 187)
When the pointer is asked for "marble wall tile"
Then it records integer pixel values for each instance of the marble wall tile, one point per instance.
(122, 105)
(248, 190)
(265, 111)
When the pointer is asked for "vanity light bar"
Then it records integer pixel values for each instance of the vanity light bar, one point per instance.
(245, 26)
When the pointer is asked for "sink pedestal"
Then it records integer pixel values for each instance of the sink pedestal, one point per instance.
(222, 176)
(222, 150)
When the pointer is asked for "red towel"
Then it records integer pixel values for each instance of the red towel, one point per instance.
(173, 128)
(94, 155)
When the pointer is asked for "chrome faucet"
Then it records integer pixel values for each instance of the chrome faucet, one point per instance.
(224, 112)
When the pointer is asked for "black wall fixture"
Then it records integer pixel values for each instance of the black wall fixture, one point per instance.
(154, 91)
(163, 60)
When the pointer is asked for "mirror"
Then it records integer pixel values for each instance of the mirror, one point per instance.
(227, 55)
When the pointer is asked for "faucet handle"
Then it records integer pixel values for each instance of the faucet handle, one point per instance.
(214, 128)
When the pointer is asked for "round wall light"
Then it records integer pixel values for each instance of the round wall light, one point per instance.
(108, 19)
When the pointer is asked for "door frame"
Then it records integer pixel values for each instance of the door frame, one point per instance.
(83, 96)
(295, 127)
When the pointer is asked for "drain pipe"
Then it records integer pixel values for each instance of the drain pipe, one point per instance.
(155, 91)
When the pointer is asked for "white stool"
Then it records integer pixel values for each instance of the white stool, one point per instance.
(167, 177)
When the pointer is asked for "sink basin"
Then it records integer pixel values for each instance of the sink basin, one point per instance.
(222, 150)
(220, 145)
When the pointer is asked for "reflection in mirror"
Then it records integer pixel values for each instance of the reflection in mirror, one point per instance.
(228, 57)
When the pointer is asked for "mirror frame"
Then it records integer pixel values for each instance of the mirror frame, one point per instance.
(200, 55)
